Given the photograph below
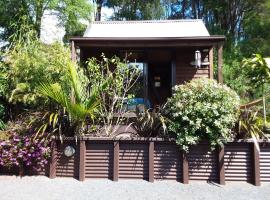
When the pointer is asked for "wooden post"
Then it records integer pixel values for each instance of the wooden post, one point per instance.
(53, 160)
(211, 61)
(220, 63)
(151, 162)
(116, 161)
(73, 51)
(256, 165)
(82, 161)
(173, 70)
(185, 168)
(221, 169)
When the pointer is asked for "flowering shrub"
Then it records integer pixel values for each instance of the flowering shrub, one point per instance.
(202, 109)
(24, 151)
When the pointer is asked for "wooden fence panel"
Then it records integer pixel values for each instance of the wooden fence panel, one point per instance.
(99, 160)
(156, 159)
(67, 167)
(203, 163)
(133, 160)
(265, 162)
(167, 161)
(238, 162)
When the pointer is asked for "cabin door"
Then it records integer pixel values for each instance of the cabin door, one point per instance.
(159, 82)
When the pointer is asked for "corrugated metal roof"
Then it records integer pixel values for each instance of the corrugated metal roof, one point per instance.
(162, 28)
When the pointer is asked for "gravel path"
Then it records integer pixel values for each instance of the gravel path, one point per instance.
(43, 188)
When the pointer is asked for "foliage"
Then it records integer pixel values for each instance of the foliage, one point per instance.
(136, 10)
(150, 123)
(3, 92)
(257, 69)
(248, 126)
(30, 62)
(2, 113)
(24, 151)
(202, 109)
(113, 98)
(3, 81)
(77, 99)
(24, 123)
(258, 72)
(69, 12)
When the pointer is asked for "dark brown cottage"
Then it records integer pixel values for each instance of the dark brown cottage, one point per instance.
(168, 52)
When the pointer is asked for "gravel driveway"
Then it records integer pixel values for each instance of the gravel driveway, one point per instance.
(41, 188)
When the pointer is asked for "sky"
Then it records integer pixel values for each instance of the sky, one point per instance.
(51, 31)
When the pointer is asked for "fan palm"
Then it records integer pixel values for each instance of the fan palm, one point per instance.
(75, 98)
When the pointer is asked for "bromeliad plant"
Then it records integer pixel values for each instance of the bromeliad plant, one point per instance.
(248, 126)
(149, 123)
(76, 100)
(202, 110)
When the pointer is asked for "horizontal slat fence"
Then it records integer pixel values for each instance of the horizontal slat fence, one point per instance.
(203, 163)
(99, 160)
(133, 160)
(158, 159)
(167, 162)
(238, 162)
(67, 167)
(265, 163)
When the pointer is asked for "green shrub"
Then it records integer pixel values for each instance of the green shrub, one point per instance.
(28, 63)
(202, 109)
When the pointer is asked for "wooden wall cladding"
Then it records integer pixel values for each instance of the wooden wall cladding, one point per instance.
(238, 162)
(67, 167)
(99, 160)
(202, 163)
(167, 162)
(133, 160)
(185, 71)
(265, 163)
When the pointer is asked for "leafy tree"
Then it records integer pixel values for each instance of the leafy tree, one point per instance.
(29, 62)
(69, 12)
(136, 10)
(98, 8)
(258, 71)
(113, 98)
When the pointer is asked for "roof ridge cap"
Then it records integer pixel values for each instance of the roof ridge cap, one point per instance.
(146, 21)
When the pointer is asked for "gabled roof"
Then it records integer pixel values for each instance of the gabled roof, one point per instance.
(147, 29)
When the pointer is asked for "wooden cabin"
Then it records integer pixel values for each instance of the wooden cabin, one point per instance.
(168, 52)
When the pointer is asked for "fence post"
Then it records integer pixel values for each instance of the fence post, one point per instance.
(221, 169)
(151, 161)
(82, 160)
(185, 168)
(116, 161)
(256, 165)
(53, 160)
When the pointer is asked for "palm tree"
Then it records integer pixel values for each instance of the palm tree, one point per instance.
(80, 102)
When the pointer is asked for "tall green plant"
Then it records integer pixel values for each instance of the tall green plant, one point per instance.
(75, 98)
(28, 62)
(258, 71)
(113, 98)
